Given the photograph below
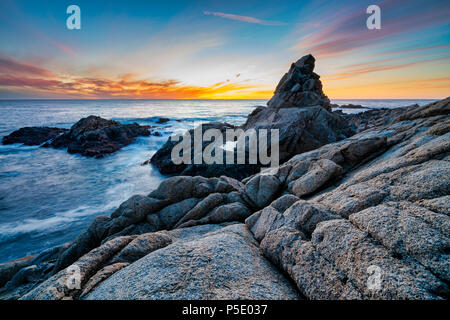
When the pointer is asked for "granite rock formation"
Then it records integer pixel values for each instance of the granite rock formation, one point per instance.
(33, 136)
(91, 136)
(365, 217)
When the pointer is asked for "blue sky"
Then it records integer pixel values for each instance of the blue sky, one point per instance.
(221, 49)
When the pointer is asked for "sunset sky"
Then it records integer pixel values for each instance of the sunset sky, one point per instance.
(221, 49)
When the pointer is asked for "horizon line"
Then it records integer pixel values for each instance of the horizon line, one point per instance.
(138, 99)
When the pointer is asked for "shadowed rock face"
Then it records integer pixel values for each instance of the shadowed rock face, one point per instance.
(94, 136)
(301, 129)
(32, 136)
(299, 110)
(300, 87)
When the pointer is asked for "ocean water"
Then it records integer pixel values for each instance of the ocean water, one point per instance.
(47, 196)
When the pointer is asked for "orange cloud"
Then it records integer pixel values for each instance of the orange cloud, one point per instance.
(128, 87)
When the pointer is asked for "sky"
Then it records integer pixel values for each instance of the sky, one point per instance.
(138, 49)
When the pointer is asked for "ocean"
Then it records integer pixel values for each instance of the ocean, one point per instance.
(47, 196)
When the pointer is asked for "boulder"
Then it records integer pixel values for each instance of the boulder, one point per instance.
(130, 212)
(235, 211)
(141, 246)
(224, 264)
(300, 87)
(301, 129)
(101, 275)
(67, 283)
(261, 190)
(162, 159)
(95, 137)
(320, 173)
(9, 269)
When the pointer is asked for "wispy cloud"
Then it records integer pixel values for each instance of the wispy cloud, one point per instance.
(244, 18)
(355, 70)
(56, 44)
(348, 32)
(11, 66)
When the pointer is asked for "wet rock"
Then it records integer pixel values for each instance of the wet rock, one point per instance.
(95, 137)
(301, 129)
(32, 136)
(171, 214)
(63, 285)
(162, 159)
(9, 269)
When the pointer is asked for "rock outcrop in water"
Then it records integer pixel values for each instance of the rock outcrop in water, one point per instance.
(299, 110)
(91, 136)
(94, 136)
(366, 217)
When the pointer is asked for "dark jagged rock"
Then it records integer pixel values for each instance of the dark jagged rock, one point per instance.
(32, 136)
(300, 129)
(241, 272)
(162, 120)
(94, 136)
(300, 87)
(163, 161)
(299, 110)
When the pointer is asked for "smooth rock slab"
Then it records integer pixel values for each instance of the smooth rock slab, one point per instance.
(224, 264)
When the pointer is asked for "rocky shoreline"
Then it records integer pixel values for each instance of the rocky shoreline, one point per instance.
(358, 209)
